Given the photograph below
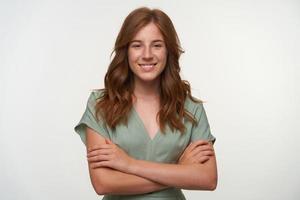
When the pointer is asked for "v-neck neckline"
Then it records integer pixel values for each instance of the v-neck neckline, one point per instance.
(140, 121)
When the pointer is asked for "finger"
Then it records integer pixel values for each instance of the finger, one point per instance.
(198, 143)
(92, 148)
(92, 153)
(193, 145)
(207, 153)
(99, 152)
(99, 158)
(203, 159)
(202, 148)
(204, 152)
(100, 164)
(188, 149)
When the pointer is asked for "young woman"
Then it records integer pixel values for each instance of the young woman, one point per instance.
(146, 136)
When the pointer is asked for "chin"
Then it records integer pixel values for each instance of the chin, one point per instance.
(144, 78)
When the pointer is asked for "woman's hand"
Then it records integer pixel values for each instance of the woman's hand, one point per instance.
(109, 155)
(197, 152)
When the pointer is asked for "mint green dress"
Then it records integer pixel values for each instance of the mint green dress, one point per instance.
(134, 139)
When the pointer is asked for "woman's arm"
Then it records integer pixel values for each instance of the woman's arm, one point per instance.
(192, 176)
(199, 176)
(110, 181)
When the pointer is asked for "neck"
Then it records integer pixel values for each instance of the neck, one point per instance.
(147, 90)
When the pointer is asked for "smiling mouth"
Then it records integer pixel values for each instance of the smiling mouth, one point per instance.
(148, 67)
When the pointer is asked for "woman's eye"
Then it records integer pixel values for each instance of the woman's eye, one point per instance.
(135, 45)
(138, 46)
(158, 46)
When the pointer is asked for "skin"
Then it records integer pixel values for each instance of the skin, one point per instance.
(184, 176)
(147, 47)
(110, 181)
(113, 171)
(106, 180)
(110, 155)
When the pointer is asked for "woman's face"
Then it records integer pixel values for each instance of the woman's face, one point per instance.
(147, 54)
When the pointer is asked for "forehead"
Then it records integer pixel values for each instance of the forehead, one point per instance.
(150, 32)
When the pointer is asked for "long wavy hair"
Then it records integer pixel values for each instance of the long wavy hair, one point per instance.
(115, 103)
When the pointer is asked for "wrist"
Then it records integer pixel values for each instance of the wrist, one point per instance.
(132, 167)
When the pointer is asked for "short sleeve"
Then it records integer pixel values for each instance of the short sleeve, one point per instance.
(201, 131)
(89, 119)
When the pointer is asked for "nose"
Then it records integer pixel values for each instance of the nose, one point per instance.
(147, 53)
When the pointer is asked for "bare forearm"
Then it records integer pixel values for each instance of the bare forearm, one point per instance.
(195, 176)
(115, 182)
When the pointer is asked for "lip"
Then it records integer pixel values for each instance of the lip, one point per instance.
(147, 64)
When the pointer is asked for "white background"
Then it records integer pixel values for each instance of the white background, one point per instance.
(242, 58)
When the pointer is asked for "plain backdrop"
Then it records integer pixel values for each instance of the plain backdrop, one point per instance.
(241, 57)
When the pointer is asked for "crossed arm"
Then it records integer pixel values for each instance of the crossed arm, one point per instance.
(112, 171)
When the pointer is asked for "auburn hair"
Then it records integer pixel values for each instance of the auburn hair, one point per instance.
(115, 103)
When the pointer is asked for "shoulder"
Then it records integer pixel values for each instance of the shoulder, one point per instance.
(95, 94)
(193, 106)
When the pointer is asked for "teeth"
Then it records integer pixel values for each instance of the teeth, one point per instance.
(147, 67)
(147, 64)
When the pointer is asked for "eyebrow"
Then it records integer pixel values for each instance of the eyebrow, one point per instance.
(141, 41)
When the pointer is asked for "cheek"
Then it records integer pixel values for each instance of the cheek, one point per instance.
(132, 60)
(163, 56)
(132, 56)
